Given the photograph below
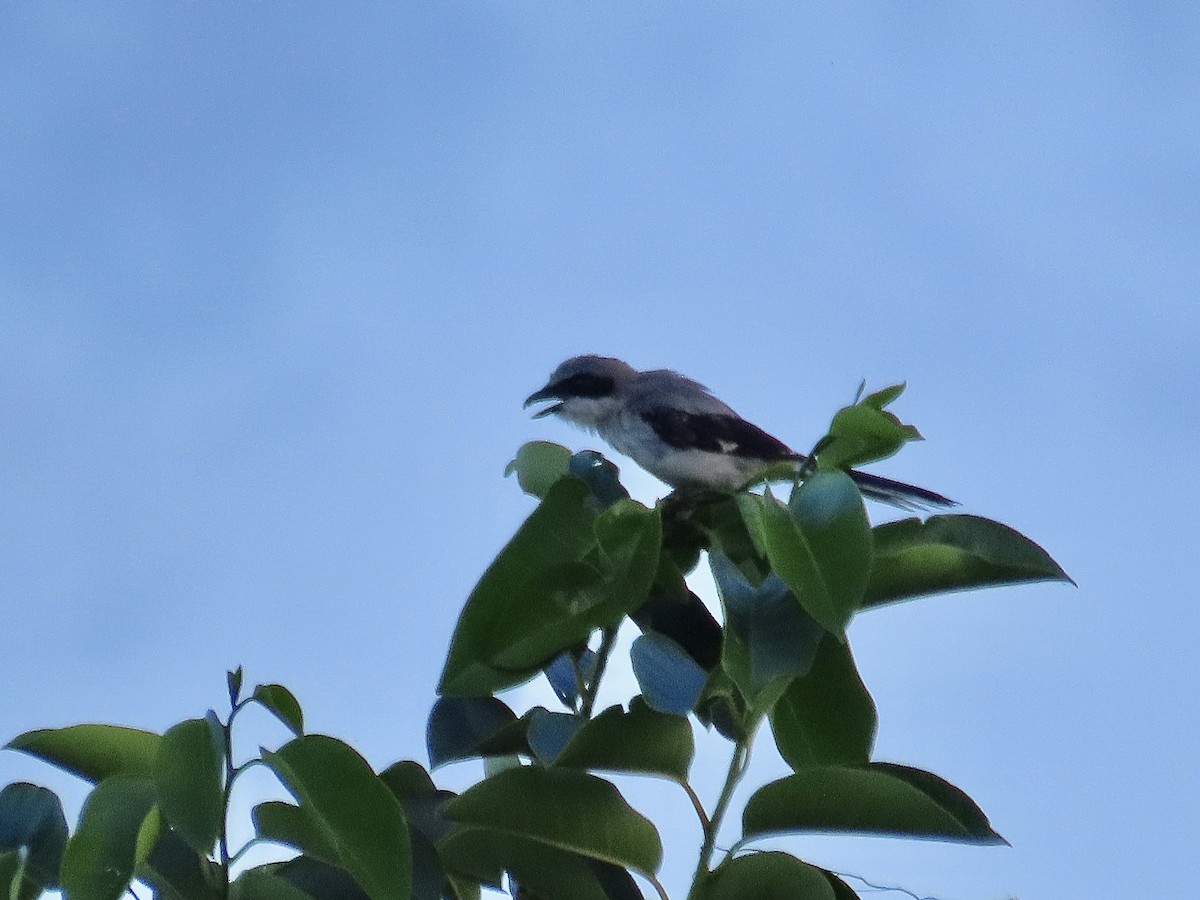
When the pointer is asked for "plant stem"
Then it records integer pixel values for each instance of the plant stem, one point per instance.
(607, 638)
(230, 773)
(737, 768)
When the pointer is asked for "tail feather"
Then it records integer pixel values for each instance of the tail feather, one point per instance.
(897, 493)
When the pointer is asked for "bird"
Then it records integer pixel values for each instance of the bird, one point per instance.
(678, 431)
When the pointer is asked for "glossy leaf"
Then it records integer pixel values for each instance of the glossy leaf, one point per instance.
(819, 544)
(532, 581)
(669, 679)
(188, 776)
(291, 825)
(263, 884)
(640, 741)
(171, 867)
(841, 890)
(952, 553)
(319, 880)
(595, 593)
(827, 716)
(766, 876)
(32, 823)
(98, 862)
(355, 810)
(865, 432)
(282, 704)
(93, 752)
(879, 799)
(562, 808)
(544, 872)
(769, 638)
(538, 465)
(458, 727)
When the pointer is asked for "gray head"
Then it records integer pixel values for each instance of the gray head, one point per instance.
(587, 388)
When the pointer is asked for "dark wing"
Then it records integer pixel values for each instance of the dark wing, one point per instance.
(715, 433)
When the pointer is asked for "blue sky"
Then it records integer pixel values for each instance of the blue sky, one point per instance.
(275, 278)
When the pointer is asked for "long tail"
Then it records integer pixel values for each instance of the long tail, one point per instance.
(897, 493)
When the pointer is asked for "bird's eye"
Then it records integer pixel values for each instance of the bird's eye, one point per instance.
(585, 384)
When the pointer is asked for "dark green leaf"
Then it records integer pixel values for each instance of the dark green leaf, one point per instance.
(459, 726)
(287, 824)
(543, 871)
(233, 681)
(283, 704)
(879, 798)
(523, 586)
(319, 880)
(641, 741)
(99, 859)
(952, 553)
(539, 464)
(841, 890)
(562, 808)
(769, 638)
(172, 868)
(421, 799)
(263, 884)
(827, 716)
(595, 593)
(93, 752)
(32, 821)
(670, 680)
(766, 876)
(188, 777)
(864, 432)
(355, 810)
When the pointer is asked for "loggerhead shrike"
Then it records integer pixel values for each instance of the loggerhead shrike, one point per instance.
(677, 431)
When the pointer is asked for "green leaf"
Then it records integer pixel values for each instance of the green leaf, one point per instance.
(318, 880)
(864, 432)
(354, 809)
(641, 741)
(282, 704)
(172, 868)
(93, 752)
(263, 884)
(827, 716)
(548, 732)
(597, 593)
(292, 825)
(562, 808)
(32, 822)
(952, 553)
(539, 464)
(99, 859)
(769, 639)
(820, 544)
(670, 680)
(233, 682)
(523, 585)
(542, 871)
(458, 727)
(766, 876)
(879, 799)
(188, 776)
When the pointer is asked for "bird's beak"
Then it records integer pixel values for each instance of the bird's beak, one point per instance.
(546, 393)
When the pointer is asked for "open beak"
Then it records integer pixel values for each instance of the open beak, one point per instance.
(546, 393)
